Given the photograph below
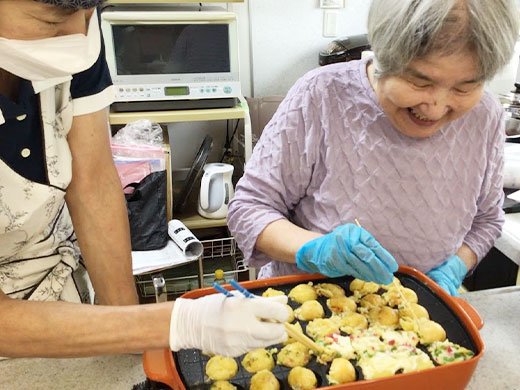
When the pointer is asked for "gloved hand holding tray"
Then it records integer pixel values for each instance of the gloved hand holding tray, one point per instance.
(186, 369)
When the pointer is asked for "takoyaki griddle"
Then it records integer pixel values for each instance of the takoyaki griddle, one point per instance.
(188, 366)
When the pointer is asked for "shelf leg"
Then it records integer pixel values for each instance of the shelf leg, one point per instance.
(201, 272)
(248, 138)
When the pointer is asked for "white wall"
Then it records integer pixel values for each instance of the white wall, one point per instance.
(287, 36)
(504, 81)
(280, 41)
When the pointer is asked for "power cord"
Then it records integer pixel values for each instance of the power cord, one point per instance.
(227, 145)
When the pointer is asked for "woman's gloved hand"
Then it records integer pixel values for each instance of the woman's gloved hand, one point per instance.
(348, 250)
(450, 274)
(228, 326)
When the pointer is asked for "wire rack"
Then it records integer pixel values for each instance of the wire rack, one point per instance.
(222, 253)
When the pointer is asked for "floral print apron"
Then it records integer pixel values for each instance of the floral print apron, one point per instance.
(38, 249)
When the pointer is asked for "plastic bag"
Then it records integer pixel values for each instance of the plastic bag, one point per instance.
(140, 132)
(132, 153)
(146, 207)
(135, 162)
(132, 172)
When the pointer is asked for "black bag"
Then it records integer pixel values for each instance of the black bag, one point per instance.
(146, 208)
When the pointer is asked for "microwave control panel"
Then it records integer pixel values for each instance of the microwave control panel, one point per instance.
(125, 93)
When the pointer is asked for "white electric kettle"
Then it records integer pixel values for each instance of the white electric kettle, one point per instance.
(216, 190)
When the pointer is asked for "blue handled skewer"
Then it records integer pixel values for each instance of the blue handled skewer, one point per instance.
(237, 286)
(221, 289)
(244, 291)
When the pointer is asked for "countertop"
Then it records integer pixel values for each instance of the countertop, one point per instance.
(118, 372)
(497, 369)
(509, 242)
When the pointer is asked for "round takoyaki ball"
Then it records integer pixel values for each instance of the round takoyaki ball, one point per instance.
(291, 314)
(350, 322)
(309, 310)
(341, 371)
(363, 287)
(258, 360)
(408, 324)
(430, 331)
(264, 380)
(395, 282)
(301, 378)
(221, 368)
(413, 310)
(303, 293)
(294, 355)
(372, 300)
(271, 292)
(393, 298)
(384, 316)
(341, 304)
(290, 339)
(222, 385)
(321, 327)
(329, 290)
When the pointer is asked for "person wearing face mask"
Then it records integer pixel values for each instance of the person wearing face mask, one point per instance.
(60, 193)
(407, 142)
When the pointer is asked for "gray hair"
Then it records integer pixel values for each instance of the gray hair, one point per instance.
(401, 31)
(75, 4)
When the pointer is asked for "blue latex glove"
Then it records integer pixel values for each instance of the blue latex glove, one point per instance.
(348, 250)
(450, 274)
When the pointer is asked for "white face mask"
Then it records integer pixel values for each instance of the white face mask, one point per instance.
(49, 58)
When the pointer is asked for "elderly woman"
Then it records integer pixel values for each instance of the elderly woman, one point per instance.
(407, 142)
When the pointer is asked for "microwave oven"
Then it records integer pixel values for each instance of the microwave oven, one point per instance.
(167, 58)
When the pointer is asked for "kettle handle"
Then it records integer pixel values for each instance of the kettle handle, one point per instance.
(204, 186)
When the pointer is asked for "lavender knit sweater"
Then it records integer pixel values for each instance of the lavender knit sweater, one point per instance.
(330, 155)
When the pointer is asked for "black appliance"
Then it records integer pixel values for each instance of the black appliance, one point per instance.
(344, 49)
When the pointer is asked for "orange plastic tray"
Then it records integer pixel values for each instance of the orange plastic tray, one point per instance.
(159, 365)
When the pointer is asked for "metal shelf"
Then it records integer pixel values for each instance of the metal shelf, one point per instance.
(241, 111)
(195, 221)
(208, 114)
(220, 253)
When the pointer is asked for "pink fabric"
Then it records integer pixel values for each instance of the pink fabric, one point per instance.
(330, 155)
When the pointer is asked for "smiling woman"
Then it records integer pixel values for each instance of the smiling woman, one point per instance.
(423, 84)
(407, 141)
(430, 93)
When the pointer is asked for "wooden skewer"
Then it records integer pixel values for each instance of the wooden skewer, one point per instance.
(302, 338)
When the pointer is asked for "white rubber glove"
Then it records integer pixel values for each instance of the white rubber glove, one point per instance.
(228, 326)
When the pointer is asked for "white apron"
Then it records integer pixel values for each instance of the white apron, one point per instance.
(38, 249)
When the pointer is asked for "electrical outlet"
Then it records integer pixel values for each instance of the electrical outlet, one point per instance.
(330, 23)
(332, 3)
